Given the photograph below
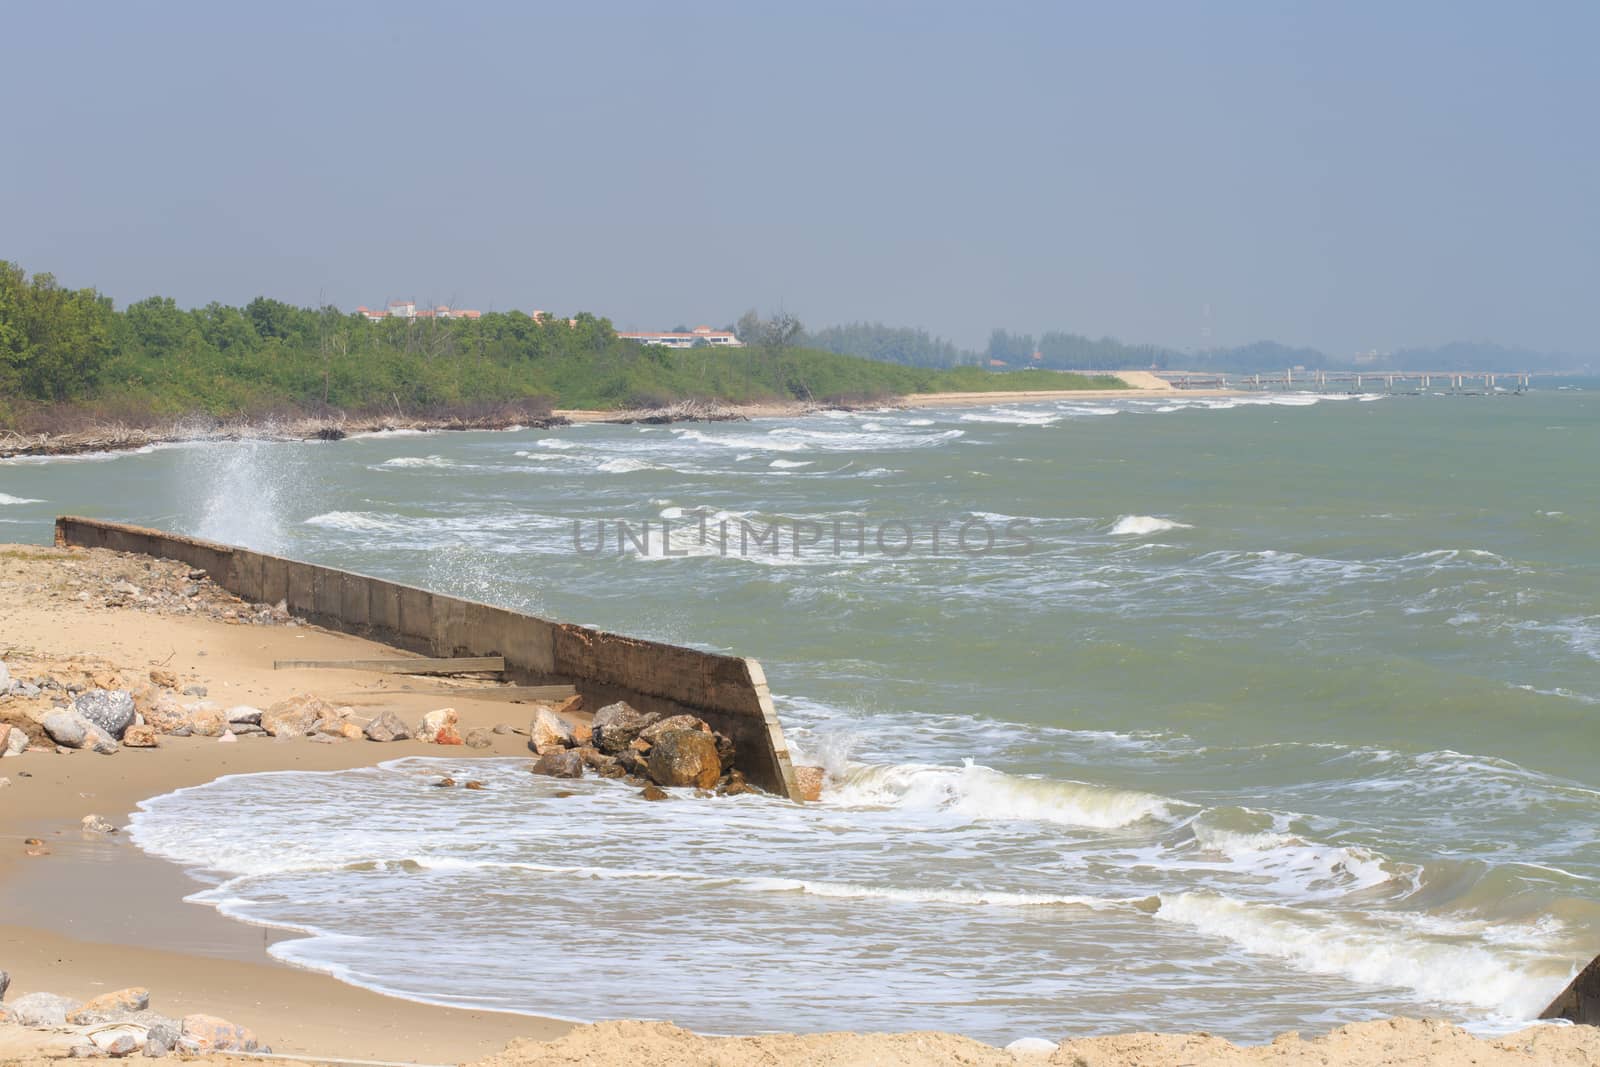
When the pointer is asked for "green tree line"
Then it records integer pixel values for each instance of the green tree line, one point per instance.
(64, 349)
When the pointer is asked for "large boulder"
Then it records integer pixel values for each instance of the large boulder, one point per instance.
(297, 716)
(550, 732)
(616, 725)
(439, 727)
(809, 780)
(653, 732)
(207, 1033)
(110, 709)
(684, 757)
(387, 726)
(41, 1010)
(562, 764)
(110, 1007)
(66, 727)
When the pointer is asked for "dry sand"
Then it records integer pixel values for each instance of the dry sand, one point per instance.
(95, 914)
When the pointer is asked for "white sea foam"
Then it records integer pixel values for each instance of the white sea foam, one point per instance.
(355, 521)
(1377, 952)
(627, 465)
(405, 462)
(7, 498)
(982, 793)
(790, 464)
(1142, 525)
(1014, 417)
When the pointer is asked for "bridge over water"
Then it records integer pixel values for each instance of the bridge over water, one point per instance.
(1355, 380)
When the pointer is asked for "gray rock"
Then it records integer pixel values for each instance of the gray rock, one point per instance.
(16, 743)
(387, 726)
(5, 677)
(5, 984)
(66, 728)
(479, 739)
(100, 741)
(162, 1038)
(653, 732)
(503, 728)
(563, 764)
(117, 1042)
(85, 1051)
(110, 709)
(42, 1010)
(194, 691)
(616, 725)
(244, 713)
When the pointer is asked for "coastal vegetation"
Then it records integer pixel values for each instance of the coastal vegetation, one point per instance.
(69, 354)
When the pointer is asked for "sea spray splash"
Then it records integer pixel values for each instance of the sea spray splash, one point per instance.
(246, 483)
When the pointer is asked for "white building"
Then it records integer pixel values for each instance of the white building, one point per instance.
(670, 339)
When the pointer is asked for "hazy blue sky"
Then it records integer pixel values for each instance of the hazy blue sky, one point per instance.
(1346, 175)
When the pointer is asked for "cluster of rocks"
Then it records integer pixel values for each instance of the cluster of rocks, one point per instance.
(653, 750)
(121, 1024)
(100, 578)
(74, 706)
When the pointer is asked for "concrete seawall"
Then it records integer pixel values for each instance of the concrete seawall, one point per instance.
(729, 692)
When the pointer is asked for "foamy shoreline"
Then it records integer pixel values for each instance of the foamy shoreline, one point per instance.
(66, 935)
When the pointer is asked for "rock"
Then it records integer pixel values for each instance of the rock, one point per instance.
(66, 727)
(503, 728)
(110, 1006)
(244, 713)
(675, 722)
(162, 1038)
(205, 721)
(809, 780)
(353, 729)
(228, 737)
(5, 735)
(42, 1010)
(387, 726)
(122, 1039)
(296, 716)
(165, 679)
(140, 737)
(100, 741)
(570, 706)
(593, 757)
(110, 709)
(94, 824)
(734, 785)
(1031, 1047)
(5, 984)
(211, 1034)
(550, 732)
(5, 677)
(243, 729)
(195, 691)
(685, 757)
(85, 1051)
(479, 738)
(562, 764)
(165, 713)
(616, 725)
(16, 742)
(473, 785)
(328, 739)
(439, 727)
(653, 792)
(443, 783)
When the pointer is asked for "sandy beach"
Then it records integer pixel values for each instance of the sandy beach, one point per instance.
(87, 913)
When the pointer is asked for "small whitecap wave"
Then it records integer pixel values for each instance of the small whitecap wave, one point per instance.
(790, 464)
(555, 443)
(624, 465)
(983, 794)
(1142, 525)
(405, 462)
(1013, 417)
(354, 521)
(7, 498)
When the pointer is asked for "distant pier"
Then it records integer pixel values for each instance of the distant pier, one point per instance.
(1356, 381)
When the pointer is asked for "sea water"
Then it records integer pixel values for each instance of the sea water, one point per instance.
(1283, 716)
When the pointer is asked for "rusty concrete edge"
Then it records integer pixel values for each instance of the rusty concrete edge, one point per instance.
(750, 669)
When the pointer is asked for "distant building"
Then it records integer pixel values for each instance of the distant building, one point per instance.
(671, 339)
(407, 309)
